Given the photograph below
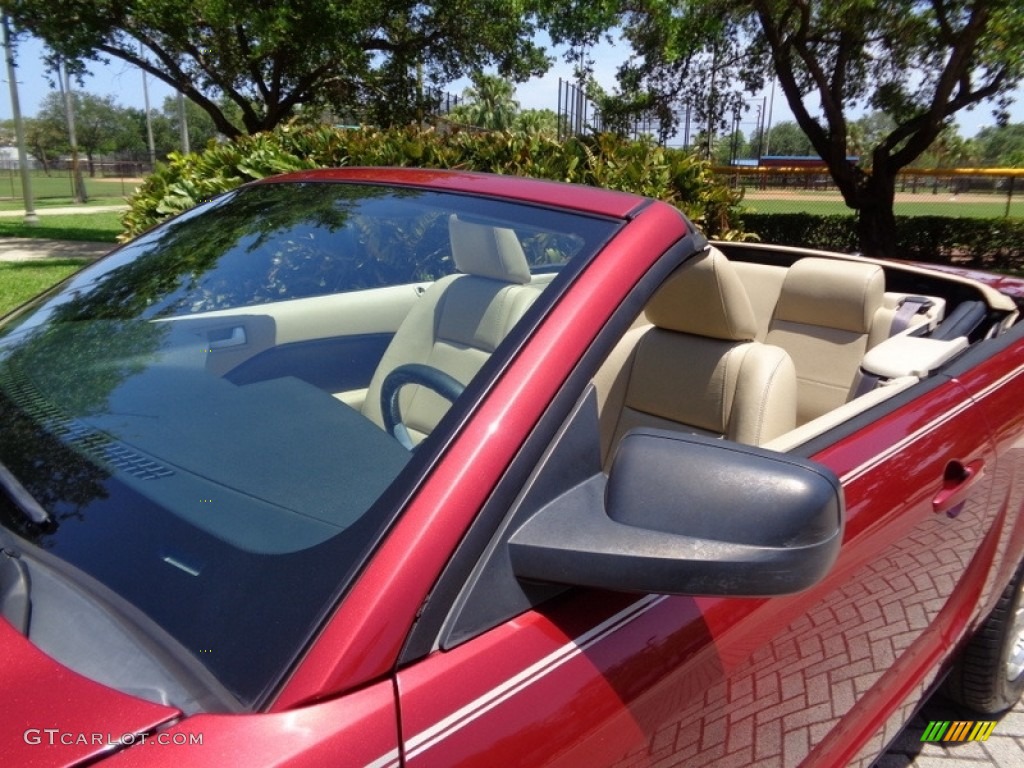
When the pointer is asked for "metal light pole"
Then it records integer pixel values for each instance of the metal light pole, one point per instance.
(149, 120)
(19, 128)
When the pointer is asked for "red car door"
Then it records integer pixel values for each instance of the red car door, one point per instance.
(588, 677)
(996, 381)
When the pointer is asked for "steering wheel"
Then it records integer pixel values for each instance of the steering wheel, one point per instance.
(412, 373)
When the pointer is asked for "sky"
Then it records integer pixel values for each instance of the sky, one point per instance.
(124, 83)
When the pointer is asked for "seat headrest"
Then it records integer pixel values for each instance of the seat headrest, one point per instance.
(831, 293)
(704, 297)
(485, 251)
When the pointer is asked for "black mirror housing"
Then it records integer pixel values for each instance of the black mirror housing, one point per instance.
(686, 514)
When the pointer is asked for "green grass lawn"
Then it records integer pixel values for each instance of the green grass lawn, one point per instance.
(102, 226)
(21, 280)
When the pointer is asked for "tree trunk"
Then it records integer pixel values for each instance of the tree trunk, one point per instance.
(876, 222)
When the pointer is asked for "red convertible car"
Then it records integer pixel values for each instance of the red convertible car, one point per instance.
(375, 467)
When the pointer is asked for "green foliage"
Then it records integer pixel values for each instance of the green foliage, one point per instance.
(267, 58)
(996, 244)
(784, 138)
(832, 232)
(490, 102)
(537, 121)
(1000, 146)
(919, 63)
(642, 167)
(101, 126)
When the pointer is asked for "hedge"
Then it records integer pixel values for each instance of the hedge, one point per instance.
(996, 243)
(643, 167)
(673, 175)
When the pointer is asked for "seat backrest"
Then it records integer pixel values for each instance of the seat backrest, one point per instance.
(826, 319)
(458, 322)
(697, 366)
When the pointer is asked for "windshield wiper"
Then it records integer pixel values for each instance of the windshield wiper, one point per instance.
(24, 500)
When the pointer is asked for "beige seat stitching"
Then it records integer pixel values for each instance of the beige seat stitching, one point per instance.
(723, 417)
(762, 410)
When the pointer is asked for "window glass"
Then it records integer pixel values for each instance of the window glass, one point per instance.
(231, 509)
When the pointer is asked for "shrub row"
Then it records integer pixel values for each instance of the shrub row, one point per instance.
(643, 167)
(985, 243)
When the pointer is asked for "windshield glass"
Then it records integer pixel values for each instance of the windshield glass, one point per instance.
(198, 414)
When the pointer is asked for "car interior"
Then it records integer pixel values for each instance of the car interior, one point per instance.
(758, 344)
(457, 323)
(838, 334)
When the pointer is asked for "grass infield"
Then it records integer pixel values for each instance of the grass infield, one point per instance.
(922, 203)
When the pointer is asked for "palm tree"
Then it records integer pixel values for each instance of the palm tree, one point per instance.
(490, 102)
(538, 122)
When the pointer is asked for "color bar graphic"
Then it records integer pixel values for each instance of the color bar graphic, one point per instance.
(958, 730)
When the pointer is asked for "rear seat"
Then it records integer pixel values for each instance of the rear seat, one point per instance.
(827, 313)
(825, 319)
(816, 321)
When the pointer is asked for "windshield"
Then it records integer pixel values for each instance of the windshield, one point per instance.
(198, 414)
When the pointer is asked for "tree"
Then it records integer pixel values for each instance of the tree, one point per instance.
(268, 58)
(541, 122)
(729, 148)
(45, 140)
(918, 61)
(201, 129)
(8, 137)
(628, 112)
(949, 150)
(490, 103)
(786, 138)
(102, 126)
(688, 61)
(1000, 146)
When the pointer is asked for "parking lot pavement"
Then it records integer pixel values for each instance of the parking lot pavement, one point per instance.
(1003, 748)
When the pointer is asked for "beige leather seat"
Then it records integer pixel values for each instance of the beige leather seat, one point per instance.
(697, 367)
(828, 315)
(457, 323)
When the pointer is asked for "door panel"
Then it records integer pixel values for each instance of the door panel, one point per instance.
(333, 365)
(997, 384)
(593, 678)
(232, 337)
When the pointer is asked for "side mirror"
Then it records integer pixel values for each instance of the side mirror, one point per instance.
(688, 515)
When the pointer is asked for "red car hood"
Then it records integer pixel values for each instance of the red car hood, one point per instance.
(52, 716)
